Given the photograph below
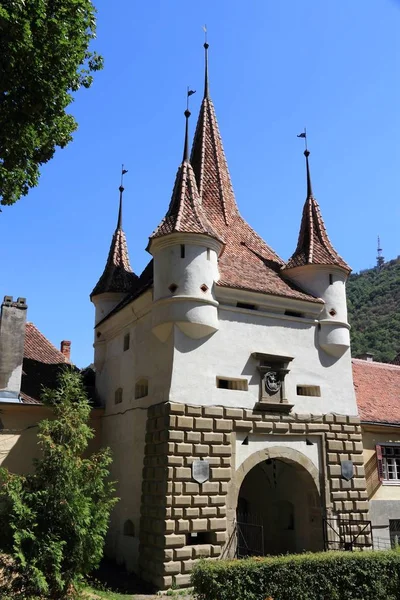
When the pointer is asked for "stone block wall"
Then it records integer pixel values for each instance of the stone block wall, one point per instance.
(174, 506)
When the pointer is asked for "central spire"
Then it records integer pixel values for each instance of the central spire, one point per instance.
(309, 186)
(209, 162)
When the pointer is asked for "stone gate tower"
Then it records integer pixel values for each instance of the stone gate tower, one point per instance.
(226, 380)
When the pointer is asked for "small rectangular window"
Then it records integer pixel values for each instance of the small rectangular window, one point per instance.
(182, 250)
(394, 531)
(330, 278)
(246, 305)
(232, 384)
(293, 313)
(127, 340)
(208, 253)
(391, 463)
(118, 396)
(308, 390)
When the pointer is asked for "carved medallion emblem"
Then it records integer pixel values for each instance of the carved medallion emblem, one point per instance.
(272, 382)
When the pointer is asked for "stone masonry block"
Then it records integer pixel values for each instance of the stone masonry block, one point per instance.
(192, 512)
(217, 500)
(182, 501)
(223, 487)
(358, 484)
(358, 447)
(220, 473)
(249, 414)
(193, 436)
(221, 450)
(348, 446)
(210, 487)
(335, 470)
(176, 436)
(183, 473)
(243, 425)
(193, 411)
(262, 427)
(220, 537)
(202, 424)
(234, 413)
(226, 461)
(201, 450)
(361, 505)
(177, 409)
(199, 525)
(172, 567)
(213, 411)
(328, 418)
(182, 580)
(297, 427)
(202, 551)
(281, 427)
(312, 427)
(200, 500)
(353, 420)
(216, 550)
(358, 459)
(184, 422)
(213, 438)
(209, 511)
(218, 524)
(182, 526)
(335, 445)
(173, 540)
(175, 461)
(341, 419)
(187, 566)
(223, 425)
(349, 428)
(183, 553)
(184, 448)
(191, 487)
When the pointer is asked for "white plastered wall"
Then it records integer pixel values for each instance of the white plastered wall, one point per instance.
(227, 353)
(124, 424)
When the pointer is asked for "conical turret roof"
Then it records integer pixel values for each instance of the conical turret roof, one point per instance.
(117, 276)
(314, 246)
(185, 213)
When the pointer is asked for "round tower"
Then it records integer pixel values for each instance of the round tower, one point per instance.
(185, 248)
(317, 268)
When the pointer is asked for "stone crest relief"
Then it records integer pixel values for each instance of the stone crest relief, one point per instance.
(201, 470)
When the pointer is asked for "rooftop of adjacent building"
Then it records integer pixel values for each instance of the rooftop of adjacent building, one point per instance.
(377, 388)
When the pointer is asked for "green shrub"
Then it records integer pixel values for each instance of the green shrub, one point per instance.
(321, 576)
(53, 521)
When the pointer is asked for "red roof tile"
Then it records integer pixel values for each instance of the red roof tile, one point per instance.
(117, 275)
(185, 213)
(314, 246)
(377, 387)
(37, 347)
(247, 261)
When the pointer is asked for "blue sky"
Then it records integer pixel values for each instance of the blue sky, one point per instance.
(275, 67)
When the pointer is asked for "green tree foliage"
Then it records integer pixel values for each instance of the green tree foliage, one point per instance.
(44, 58)
(53, 521)
(373, 298)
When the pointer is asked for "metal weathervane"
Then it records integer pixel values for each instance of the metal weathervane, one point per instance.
(303, 135)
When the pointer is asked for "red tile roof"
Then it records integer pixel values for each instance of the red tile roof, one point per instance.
(41, 365)
(185, 213)
(247, 261)
(314, 246)
(37, 347)
(377, 387)
(117, 275)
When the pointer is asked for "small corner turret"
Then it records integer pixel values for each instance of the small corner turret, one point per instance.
(117, 278)
(317, 268)
(185, 248)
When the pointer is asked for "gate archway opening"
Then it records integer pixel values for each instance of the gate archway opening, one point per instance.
(278, 510)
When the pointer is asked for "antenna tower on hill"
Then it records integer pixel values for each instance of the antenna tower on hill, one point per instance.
(380, 261)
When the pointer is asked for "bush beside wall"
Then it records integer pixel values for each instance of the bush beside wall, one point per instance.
(322, 576)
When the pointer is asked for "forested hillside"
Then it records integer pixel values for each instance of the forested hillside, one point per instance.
(374, 311)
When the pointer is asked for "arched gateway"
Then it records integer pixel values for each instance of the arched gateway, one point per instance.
(278, 505)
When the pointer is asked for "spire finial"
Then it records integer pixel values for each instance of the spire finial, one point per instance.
(309, 186)
(187, 114)
(206, 46)
(303, 135)
(121, 191)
